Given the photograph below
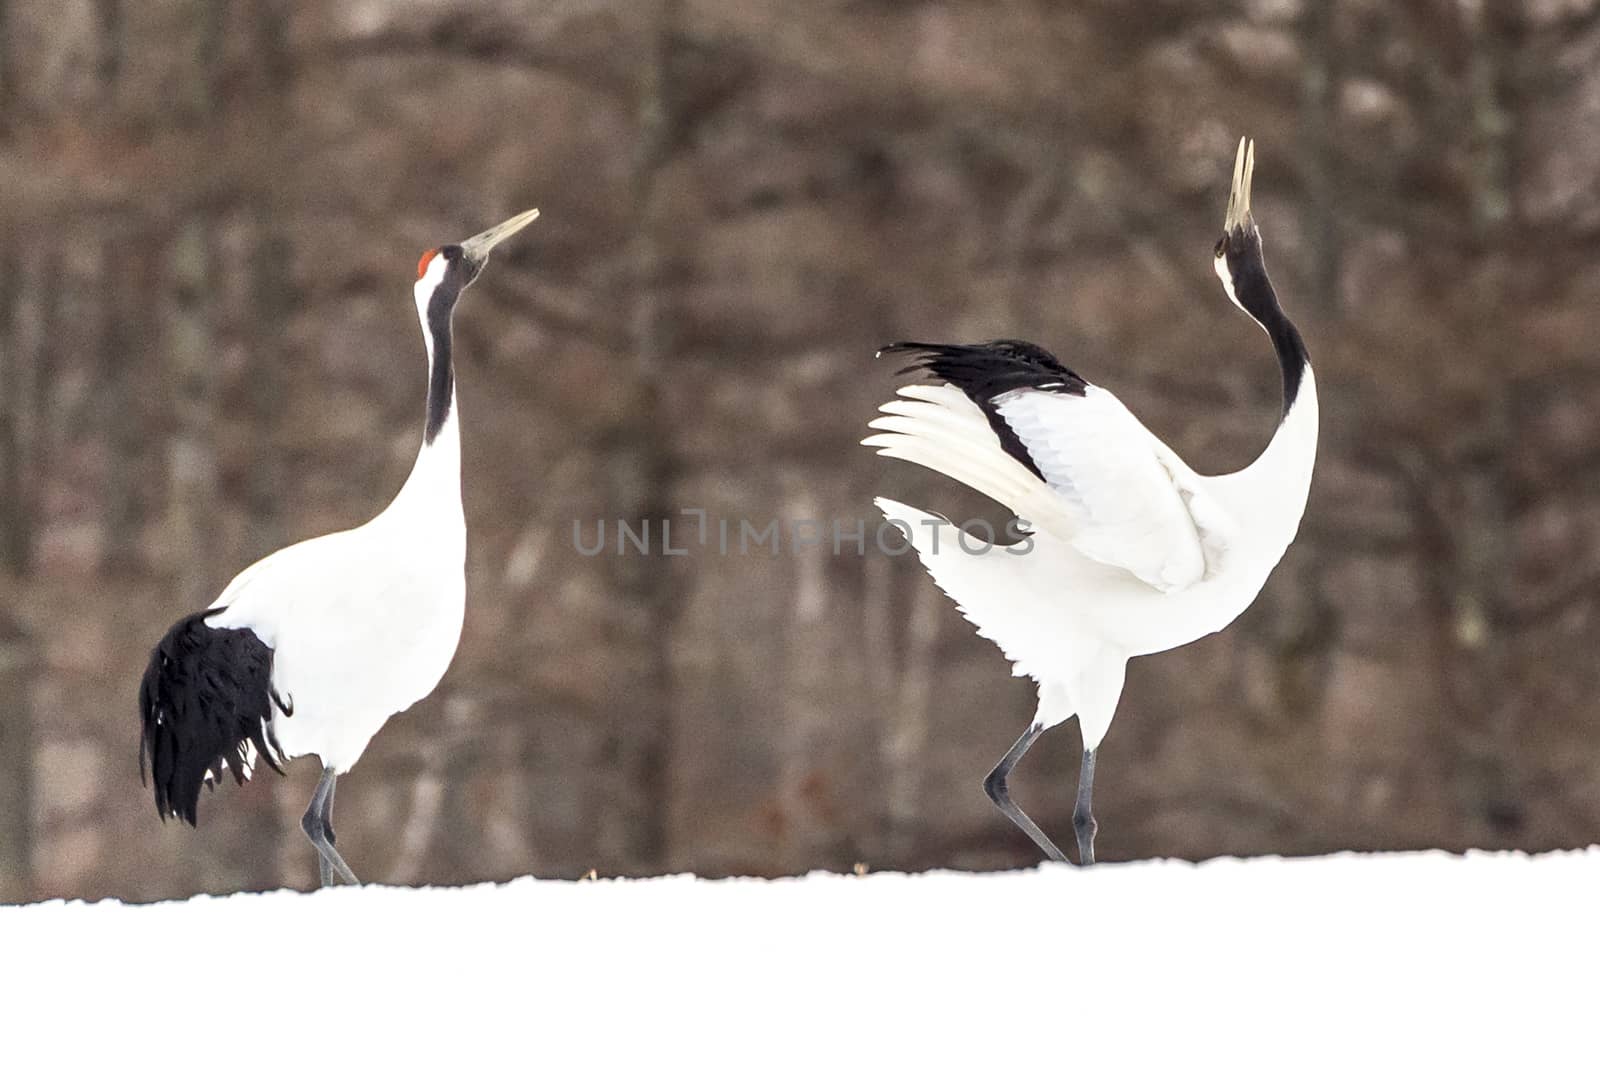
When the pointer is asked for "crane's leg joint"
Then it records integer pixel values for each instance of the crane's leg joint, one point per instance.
(317, 822)
(994, 786)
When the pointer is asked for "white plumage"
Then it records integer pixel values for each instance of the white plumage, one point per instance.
(363, 623)
(1132, 552)
(1114, 572)
(313, 648)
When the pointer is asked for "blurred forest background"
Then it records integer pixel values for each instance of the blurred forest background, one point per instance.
(208, 349)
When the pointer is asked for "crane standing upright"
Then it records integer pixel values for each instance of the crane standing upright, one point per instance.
(311, 649)
(1132, 552)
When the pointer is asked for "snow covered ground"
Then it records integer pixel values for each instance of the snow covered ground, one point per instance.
(1419, 957)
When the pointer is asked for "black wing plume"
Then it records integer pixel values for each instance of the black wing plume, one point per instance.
(206, 698)
(985, 372)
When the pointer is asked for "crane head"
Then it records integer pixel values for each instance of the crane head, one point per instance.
(1239, 263)
(452, 267)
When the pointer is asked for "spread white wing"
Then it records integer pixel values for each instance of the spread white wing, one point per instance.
(1110, 488)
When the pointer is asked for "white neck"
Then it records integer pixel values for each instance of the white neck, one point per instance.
(435, 480)
(1274, 487)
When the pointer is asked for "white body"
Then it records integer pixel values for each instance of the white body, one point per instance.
(1133, 553)
(363, 623)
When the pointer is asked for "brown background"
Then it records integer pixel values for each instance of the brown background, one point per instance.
(209, 214)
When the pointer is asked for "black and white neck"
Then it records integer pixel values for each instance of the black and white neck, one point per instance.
(435, 480)
(1243, 272)
(1285, 466)
(442, 275)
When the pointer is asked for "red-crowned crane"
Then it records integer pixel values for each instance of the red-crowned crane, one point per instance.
(1131, 551)
(313, 648)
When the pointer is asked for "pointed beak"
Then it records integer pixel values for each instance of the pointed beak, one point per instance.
(1244, 168)
(477, 248)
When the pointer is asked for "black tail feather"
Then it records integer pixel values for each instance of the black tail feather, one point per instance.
(206, 699)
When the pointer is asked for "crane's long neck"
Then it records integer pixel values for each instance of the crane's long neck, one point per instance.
(434, 485)
(1281, 475)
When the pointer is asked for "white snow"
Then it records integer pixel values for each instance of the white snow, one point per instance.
(1417, 957)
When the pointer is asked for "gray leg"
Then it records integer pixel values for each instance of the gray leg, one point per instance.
(312, 824)
(1083, 822)
(318, 826)
(995, 785)
(325, 818)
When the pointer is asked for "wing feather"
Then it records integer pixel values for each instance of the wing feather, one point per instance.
(1012, 422)
(1109, 487)
(1127, 489)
